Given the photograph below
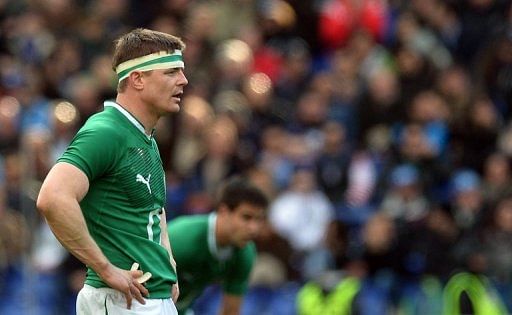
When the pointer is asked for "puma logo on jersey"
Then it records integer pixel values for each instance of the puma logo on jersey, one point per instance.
(145, 181)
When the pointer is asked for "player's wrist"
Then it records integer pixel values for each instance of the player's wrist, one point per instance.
(104, 269)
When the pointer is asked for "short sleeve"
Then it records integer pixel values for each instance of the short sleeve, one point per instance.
(95, 151)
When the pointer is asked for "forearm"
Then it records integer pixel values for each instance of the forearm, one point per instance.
(58, 201)
(231, 304)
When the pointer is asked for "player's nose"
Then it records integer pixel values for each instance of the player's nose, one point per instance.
(183, 78)
(254, 228)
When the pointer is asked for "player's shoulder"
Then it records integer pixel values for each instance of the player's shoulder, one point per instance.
(104, 119)
(188, 233)
(104, 123)
(190, 219)
(191, 223)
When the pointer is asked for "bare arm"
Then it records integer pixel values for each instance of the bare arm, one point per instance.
(167, 244)
(64, 187)
(231, 304)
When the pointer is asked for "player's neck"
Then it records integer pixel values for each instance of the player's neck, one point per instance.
(221, 233)
(140, 112)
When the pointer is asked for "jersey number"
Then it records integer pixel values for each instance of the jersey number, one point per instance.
(152, 224)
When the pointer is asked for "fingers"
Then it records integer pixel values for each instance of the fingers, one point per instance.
(127, 282)
(128, 297)
(141, 288)
(136, 292)
(136, 274)
(175, 292)
(140, 278)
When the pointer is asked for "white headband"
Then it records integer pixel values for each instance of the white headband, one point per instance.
(158, 60)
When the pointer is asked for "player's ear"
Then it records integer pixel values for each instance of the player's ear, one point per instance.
(136, 80)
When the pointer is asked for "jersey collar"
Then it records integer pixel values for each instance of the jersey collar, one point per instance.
(130, 117)
(219, 253)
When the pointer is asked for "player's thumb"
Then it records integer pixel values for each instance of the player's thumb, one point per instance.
(136, 273)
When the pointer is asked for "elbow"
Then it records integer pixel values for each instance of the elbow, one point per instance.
(43, 203)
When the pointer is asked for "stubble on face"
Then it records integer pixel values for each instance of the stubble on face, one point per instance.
(165, 91)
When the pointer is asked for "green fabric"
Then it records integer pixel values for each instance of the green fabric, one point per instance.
(311, 300)
(125, 197)
(199, 267)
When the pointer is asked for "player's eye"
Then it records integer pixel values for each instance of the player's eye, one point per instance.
(172, 71)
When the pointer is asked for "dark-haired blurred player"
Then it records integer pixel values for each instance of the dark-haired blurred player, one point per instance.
(218, 247)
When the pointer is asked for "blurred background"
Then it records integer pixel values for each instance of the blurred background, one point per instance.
(381, 130)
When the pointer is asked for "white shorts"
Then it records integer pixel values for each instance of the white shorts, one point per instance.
(93, 301)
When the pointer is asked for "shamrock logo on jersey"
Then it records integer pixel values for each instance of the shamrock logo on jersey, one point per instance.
(140, 179)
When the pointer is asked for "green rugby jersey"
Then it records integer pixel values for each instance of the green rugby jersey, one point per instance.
(126, 194)
(200, 262)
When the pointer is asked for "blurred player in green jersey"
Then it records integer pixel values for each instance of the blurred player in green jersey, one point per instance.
(218, 247)
(104, 197)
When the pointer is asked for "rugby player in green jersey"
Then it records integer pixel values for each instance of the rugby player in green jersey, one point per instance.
(104, 197)
(218, 247)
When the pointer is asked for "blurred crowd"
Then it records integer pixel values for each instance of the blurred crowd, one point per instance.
(381, 129)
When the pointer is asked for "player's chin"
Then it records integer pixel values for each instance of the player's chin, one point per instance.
(174, 107)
